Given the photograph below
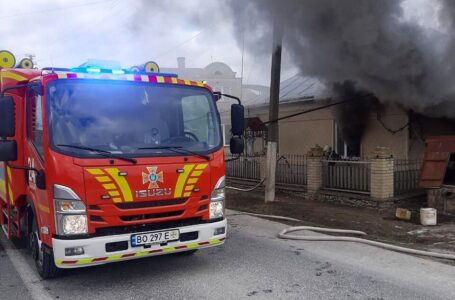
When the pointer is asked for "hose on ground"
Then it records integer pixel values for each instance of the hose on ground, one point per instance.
(246, 190)
(284, 234)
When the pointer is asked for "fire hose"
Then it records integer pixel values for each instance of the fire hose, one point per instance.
(284, 234)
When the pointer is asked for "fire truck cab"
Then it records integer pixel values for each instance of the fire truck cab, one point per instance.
(104, 165)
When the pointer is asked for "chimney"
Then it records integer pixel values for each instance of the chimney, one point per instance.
(181, 62)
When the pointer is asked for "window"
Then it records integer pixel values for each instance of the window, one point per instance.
(226, 129)
(126, 118)
(196, 116)
(343, 147)
(35, 121)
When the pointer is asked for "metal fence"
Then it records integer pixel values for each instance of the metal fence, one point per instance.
(344, 175)
(244, 168)
(290, 169)
(405, 175)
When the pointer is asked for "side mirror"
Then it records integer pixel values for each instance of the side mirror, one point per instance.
(8, 150)
(40, 180)
(236, 145)
(237, 119)
(7, 117)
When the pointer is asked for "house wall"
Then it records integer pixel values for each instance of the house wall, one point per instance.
(376, 135)
(298, 134)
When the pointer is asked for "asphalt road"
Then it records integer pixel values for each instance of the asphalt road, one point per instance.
(253, 264)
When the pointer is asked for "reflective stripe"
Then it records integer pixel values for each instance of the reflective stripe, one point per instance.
(14, 76)
(181, 180)
(189, 246)
(122, 183)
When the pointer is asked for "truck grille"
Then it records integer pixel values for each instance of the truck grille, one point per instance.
(147, 227)
(156, 203)
(152, 216)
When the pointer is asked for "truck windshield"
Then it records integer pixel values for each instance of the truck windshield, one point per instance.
(131, 118)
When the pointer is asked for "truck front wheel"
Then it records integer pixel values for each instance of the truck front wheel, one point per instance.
(44, 261)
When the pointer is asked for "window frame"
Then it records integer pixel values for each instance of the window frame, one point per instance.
(28, 95)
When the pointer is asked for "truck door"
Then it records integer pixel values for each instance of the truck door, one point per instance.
(34, 153)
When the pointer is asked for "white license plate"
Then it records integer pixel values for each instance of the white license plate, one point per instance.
(156, 237)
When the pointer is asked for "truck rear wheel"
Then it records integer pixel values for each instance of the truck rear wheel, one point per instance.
(44, 261)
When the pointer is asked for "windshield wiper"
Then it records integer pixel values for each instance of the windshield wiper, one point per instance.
(100, 152)
(176, 149)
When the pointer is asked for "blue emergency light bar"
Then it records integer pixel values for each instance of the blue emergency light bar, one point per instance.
(92, 70)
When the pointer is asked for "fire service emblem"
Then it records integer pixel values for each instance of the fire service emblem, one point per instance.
(152, 177)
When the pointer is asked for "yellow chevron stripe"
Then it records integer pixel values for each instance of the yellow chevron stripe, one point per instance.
(145, 78)
(160, 79)
(201, 84)
(192, 180)
(109, 186)
(117, 199)
(95, 171)
(62, 76)
(170, 249)
(181, 180)
(122, 183)
(196, 173)
(13, 76)
(187, 194)
(103, 179)
(114, 193)
(174, 80)
(141, 253)
(187, 82)
(214, 242)
(201, 166)
(189, 188)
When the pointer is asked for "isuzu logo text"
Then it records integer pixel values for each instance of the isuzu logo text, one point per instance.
(153, 193)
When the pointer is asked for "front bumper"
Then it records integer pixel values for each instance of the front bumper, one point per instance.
(95, 248)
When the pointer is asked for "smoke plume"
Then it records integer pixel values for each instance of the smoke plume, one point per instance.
(353, 115)
(365, 41)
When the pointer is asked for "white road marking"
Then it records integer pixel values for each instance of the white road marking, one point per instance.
(29, 276)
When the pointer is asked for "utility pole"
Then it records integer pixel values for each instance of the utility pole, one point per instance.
(272, 133)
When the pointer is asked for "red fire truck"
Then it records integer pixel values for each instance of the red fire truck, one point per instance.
(103, 165)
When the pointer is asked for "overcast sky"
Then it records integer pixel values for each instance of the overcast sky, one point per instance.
(64, 33)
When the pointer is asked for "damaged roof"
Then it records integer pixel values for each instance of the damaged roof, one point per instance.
(297, 88)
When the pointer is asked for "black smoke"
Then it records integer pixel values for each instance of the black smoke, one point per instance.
(365, 41)
(352, 116)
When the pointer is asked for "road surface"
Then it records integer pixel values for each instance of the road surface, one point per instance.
(253, 264)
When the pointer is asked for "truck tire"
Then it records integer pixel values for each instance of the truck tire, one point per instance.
(44, 261)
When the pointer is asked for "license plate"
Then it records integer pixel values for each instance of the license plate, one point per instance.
(156, 237)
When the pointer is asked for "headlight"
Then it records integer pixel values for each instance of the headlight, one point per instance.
(70, 212)
(217, 200)
(74, 224)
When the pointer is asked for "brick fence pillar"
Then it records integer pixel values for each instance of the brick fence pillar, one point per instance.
(314, 170)
(381, 174)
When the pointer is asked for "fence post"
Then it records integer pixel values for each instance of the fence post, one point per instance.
(381, 176)
(314, 170)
